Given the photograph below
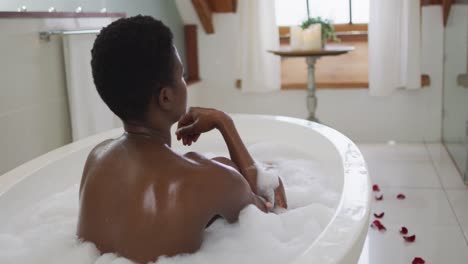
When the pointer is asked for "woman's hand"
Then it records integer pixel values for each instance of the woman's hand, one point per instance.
(197, 121)
(279, 197)
(263, 204)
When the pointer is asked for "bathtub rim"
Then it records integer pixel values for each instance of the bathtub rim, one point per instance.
(347, 228)
(353, 210)
(16, 175)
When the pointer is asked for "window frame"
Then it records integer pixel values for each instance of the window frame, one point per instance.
(347, 33)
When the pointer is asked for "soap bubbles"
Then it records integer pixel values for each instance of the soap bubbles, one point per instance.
(44, 233)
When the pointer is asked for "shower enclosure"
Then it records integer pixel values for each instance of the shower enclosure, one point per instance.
(455, 91)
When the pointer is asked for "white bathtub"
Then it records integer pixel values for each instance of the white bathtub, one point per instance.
(340, 242)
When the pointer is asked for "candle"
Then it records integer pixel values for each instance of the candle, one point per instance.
(312, 37)
(296, 38)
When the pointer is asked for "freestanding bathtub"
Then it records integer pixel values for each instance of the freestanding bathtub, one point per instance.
(340, 242)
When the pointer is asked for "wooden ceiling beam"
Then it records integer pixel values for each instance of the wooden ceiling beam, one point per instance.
(446, 6)
(431, 2)
(205, 14)
(223, 6)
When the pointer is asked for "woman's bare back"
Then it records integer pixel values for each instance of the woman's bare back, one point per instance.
(143, 200)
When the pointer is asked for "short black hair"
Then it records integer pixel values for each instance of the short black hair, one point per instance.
(132, 59)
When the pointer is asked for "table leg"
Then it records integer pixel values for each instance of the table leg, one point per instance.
(311, 98)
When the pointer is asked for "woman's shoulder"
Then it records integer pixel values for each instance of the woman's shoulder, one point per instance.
(216, 171)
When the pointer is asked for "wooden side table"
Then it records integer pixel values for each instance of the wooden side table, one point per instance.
(311, 58)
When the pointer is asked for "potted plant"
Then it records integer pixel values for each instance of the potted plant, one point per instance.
(328, 32)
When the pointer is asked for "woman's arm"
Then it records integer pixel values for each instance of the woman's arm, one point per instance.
(244, 161)
(200, 120)
(237, 150)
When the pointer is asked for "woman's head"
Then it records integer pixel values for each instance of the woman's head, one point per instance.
(137, 69)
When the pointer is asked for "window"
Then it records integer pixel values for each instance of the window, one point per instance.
(293, 12)
(345, 71)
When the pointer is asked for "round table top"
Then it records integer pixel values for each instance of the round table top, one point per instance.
(329, 50)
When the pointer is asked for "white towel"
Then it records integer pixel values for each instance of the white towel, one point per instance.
(88, 113)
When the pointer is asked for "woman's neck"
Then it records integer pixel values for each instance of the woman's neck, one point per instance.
(159, 134)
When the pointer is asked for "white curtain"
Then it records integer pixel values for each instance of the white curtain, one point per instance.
(259, 70)
(394, 46)
(88, 113)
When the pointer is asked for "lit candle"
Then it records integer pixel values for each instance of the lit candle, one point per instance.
(312, 37)
(296, 38)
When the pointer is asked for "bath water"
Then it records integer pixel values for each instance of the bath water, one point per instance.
(45, 232)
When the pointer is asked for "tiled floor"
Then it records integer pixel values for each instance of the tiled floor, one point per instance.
(435, 208)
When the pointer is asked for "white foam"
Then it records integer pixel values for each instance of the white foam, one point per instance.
(267, 180)
(45, 232)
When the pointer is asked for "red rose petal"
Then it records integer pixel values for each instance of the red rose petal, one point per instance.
(401, 196)
(382, 228)
(375, 188)
(403, 230)
(378, 225)
(379, 198)
(410, 239)
(379, 215)
(418, 260)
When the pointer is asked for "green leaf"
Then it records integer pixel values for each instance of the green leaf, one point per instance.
(328, 32)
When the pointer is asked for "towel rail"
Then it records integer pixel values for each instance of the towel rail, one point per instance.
(45, 35)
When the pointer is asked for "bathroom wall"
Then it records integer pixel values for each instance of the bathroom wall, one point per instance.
(455, 96)
(455, 109)
(33, 104)
(164, 10)
(405, 116)
(33, 101)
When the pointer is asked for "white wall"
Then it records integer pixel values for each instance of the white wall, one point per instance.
(164, 10)
(404, 116)
(34, 116)
(33, 102)
(455, 96)
(33, 105)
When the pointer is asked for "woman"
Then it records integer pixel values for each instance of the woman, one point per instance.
(139, 198)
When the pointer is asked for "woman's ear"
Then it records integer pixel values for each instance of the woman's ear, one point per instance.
(166, 98)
